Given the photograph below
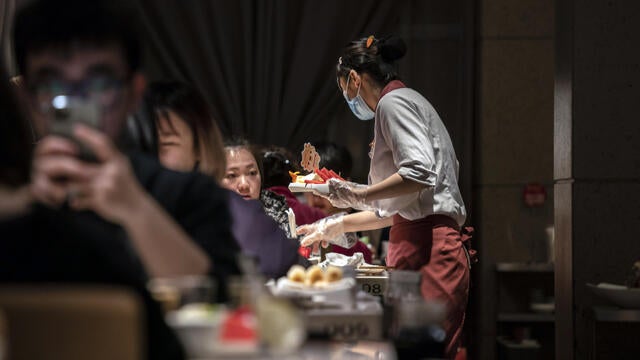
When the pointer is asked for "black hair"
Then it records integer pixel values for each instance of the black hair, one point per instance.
(276, 164)
(15, 138)
(335, 157)
(63, 24)
(188, 103)
(374, 56)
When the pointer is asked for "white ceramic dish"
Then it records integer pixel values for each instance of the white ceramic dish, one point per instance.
(299, 187)
(619, 295)
(197, 330)
(335, 292)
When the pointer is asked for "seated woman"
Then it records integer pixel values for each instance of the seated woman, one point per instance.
(277, 162)
(244, 176)
(189, 140)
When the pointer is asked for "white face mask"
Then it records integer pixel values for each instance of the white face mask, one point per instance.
(358, 106)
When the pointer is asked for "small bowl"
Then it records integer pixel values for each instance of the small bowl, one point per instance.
(197, 328)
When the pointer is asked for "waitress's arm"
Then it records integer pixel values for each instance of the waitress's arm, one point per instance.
(393, 186)
(365, 220)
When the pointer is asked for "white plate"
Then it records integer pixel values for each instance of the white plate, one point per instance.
(299, 187)
(285, 287)
(617, 294)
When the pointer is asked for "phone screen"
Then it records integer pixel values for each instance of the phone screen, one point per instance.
(68, 111)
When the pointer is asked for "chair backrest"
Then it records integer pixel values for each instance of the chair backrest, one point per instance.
(72, 322)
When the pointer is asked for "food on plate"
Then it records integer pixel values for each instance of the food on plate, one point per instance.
(318, 176)
(321, 284)
(314, 274)
(333, 274)
(296, 274)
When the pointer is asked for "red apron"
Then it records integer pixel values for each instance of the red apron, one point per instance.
(433, 246)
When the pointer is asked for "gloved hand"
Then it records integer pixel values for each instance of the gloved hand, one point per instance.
(346, 194)
(327, 230)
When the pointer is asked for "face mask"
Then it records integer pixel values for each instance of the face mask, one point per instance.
(358, 106)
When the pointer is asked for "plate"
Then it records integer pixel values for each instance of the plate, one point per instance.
(299, 187)
(619, 295)
(284, 285)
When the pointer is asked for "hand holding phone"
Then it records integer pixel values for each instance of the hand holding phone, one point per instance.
(67, 111)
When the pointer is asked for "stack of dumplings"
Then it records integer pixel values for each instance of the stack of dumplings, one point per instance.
(314, 276)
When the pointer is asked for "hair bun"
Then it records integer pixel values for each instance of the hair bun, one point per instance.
(392, 48)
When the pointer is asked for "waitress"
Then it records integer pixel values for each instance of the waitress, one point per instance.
(413, 180)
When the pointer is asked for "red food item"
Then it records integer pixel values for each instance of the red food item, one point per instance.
(335, 176)
(240, 325)
(322, 174)
(304, 251)
(326, 174)
(314, 182)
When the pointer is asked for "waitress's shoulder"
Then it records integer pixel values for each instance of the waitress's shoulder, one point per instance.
(400, 98)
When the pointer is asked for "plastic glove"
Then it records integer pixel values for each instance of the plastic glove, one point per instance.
(346, 194)
(329, 229)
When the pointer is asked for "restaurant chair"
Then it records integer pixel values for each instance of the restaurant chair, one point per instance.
(57, 322)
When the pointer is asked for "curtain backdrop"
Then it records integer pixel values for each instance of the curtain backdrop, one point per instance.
(265, 66)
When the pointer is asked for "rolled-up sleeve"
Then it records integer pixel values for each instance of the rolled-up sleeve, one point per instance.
(407, 135)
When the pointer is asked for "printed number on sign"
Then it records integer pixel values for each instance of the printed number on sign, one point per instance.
(374, 289)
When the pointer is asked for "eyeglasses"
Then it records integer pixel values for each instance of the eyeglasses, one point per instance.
(104, 90)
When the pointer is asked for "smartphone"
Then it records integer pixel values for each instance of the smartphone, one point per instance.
(69, 111)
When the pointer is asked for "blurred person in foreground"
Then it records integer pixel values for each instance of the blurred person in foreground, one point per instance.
(40, 244)
(189, 140)
(177, 224)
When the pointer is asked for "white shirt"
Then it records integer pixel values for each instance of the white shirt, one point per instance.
(411, 140)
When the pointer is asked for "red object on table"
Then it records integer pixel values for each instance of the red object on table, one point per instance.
(240, 325)
(304, 251)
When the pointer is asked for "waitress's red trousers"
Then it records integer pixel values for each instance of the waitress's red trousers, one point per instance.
(433, 246)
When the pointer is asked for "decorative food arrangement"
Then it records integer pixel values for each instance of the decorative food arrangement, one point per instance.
(317, 178)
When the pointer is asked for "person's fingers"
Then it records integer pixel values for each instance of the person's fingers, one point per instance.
(325, 244)
(61, 167)
(97, 142)
(310, 239)
(320, 194)
(82, 203)
(303, 230)
(80, 190)
(52, 144)
(48, 192)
